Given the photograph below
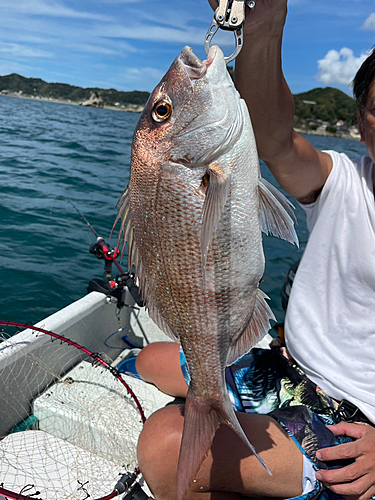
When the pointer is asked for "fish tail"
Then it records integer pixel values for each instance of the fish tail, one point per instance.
(200, 425)
(229, 417)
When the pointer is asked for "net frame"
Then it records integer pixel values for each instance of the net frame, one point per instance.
(98, 359)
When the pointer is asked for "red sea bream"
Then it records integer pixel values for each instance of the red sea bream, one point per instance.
(192, 215)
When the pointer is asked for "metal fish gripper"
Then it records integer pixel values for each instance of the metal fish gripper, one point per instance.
(229, 16)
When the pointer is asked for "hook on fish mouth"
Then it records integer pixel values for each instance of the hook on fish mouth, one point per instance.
(194, 67)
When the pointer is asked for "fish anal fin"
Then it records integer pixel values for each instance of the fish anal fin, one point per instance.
(217, 185)
(200, 425)
(257, 328)
(276, 213)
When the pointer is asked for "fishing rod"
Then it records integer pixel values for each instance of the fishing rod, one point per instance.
(107, 252)
(113, 287)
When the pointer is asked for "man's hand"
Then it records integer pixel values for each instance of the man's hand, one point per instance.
(357, 480)
(266, 12)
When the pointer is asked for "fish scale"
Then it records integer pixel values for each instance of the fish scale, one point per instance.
(193, 214)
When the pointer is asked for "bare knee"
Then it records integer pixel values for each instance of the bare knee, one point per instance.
(158, 453)
(159, 364)
(146, 360)
(229, 467)
(158, 450)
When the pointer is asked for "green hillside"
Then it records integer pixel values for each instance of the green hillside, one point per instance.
(331, 105)
(36, 87)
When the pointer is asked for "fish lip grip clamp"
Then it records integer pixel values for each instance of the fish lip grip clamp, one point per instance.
(230, 16)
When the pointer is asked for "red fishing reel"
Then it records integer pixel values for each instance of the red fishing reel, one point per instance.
(103, 250)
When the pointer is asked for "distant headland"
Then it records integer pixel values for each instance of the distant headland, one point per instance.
(326, 111)
(34, 88)
(322, 111)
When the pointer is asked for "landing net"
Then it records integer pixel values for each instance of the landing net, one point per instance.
(69, 421)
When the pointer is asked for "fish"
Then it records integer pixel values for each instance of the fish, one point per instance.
(192, 216)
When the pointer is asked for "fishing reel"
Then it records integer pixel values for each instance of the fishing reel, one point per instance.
(132, 489)
(102, 250)
(117, 288)
(136, 493)
(113, 287)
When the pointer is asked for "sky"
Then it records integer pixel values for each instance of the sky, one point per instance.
(130, 44)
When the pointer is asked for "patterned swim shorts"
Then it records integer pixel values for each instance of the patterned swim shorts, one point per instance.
(264, 381)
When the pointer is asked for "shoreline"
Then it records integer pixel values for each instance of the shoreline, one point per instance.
(138, 109)
(130, 109)
(323, 133)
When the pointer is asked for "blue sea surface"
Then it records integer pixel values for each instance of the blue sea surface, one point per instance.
(52, 152)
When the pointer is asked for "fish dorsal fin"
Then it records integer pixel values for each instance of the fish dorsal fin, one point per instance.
(124, 215)
(217, 192)
(157, 318)
(276, 213)
(126, 235)
(257, 328)
(150, 305)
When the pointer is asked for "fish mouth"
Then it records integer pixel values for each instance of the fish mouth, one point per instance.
(194, 67)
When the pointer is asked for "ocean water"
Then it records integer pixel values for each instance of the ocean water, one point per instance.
(52, 152)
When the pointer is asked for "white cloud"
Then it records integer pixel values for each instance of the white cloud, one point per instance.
(339, 67)
(16, 50)
(50, 8)
(95, 48)
(152, 33)
(369, 24)
(42, 26)
(135, 73)
(119, 1)
(46, 35)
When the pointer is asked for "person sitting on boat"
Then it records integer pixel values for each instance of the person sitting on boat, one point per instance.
(309, 415)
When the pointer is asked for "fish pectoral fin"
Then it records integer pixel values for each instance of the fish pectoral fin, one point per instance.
(276, 213)
(257, 328)
(217, 185)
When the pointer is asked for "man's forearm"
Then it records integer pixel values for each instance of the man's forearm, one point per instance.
(260, 81)
(299, 168)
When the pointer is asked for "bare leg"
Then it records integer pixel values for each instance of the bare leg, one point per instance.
(229, 467)
(159, 364)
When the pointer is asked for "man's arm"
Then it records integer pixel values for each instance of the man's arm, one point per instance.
(298, 167)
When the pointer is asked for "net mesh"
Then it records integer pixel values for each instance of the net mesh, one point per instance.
(69, 422)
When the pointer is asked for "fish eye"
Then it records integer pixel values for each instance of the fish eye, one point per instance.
(162, 111)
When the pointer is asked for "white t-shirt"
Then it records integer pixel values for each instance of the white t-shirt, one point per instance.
(330, 322)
